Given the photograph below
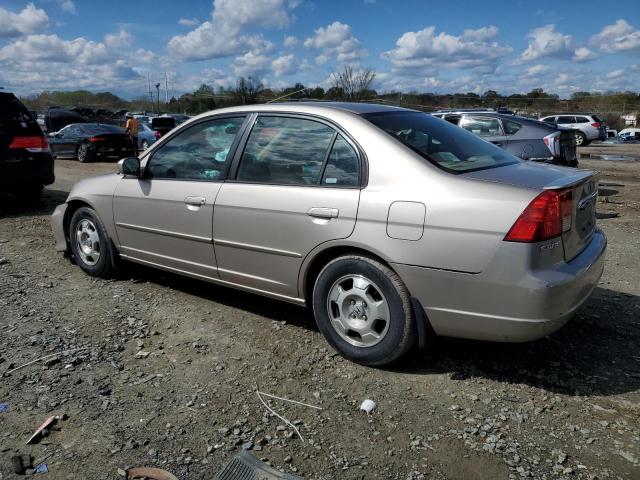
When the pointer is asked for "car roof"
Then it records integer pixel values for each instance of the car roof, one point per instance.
(564, 114)
(353, 107)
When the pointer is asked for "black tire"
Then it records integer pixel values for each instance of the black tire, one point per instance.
(581, 139)
(400, 332)
(84, 153)
(103, 266)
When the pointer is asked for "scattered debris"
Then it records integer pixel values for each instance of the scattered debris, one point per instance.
(49, 422)
(280, 416)
(368, 406)
(244, 466)
(20, 463)
(150, 473)
(4, 407)
(41, 468)
(46, 357)
(142, 354)
(291, 401)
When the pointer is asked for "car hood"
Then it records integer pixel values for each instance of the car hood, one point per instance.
(532, 175)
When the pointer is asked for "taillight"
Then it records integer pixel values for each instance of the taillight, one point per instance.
(31, 144)
(96, 139)
(547, 216)
(596, 124)
(157, 134)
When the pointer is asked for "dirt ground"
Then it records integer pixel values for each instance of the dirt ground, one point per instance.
(567, 406)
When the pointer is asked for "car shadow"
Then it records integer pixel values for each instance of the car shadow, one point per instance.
(250, 302)
(596, 353)
(13, 206)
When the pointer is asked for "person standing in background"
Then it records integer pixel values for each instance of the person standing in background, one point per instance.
(131, 128)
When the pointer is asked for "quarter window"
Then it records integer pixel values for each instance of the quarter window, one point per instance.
(582, 120)
(285, 151)
(511, 127)
(198, 153)
(483, 127)
(342, 166)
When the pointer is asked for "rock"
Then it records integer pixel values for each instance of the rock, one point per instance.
(288, 459)
(142, 354)
(122, 473)
(247, 445)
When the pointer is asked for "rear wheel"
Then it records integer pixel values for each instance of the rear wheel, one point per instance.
(363, 309)
(581, 139)
(84, 153)
(91, 246)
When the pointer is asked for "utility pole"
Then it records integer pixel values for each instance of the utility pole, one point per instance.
(166, 89)
(158, 91)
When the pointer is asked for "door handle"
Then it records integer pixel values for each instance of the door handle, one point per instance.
(323, 212)
(195, 201)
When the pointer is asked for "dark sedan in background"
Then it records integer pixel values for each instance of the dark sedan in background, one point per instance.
(90, 141)
(523, 137)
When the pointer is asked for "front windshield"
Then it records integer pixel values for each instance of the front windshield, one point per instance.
(443, 144)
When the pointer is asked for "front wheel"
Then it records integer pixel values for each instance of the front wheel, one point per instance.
(364, 310)
(91, 246)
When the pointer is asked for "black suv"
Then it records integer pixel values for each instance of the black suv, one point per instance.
(26, 165)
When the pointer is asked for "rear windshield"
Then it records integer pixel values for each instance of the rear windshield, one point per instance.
(445, 145)
(596, 118)
(160, 122)
(15, 119)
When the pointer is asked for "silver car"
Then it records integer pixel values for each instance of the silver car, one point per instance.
(391, 224)
(586, 126)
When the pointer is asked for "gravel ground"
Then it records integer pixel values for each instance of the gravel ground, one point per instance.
(169, 368)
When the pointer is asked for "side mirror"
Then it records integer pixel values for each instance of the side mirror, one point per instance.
(129, 166)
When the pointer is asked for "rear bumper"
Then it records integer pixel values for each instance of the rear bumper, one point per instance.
(37, 169)
(57, 225)
(497, 306)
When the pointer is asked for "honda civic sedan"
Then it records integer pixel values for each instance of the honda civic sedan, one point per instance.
(392, 225)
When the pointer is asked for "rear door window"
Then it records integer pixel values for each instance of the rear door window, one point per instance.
(285, 151)
(566, 119)
(343, 165)
(482, 126)
(582, 120)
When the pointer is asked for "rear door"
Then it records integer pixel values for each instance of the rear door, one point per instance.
(568, 121)
(165, 218)
(486, 127)
(296, 185)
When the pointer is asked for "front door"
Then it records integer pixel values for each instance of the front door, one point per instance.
(296, 185)
(64, 143)
(165, 217)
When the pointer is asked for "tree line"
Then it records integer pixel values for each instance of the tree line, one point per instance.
(348, 85)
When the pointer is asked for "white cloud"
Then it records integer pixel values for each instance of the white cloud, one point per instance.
(29, 20)
(425, 48)
(615, 73)
(536, 70)
(188, 22)
(225, 34)
(618, 37)
(251, 64)
(290, 42)
(335, 42)
(285, 65)
(68, 6)
(583, 54)
(547, 42)
(121, 39)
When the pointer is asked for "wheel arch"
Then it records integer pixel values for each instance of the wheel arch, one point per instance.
(318, 258)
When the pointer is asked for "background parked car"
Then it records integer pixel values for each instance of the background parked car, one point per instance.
(629, 134)
(587, 127)
(26, 165)
(525, 138)
(90, 141)
(146, 136)
(163, 125)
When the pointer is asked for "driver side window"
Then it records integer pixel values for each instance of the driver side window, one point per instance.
(197, 153)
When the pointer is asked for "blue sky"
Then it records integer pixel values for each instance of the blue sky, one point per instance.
(423, 46)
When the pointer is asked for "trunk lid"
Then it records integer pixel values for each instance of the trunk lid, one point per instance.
(583, 185)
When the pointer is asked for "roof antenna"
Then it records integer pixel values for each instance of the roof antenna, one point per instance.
(288, 94)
